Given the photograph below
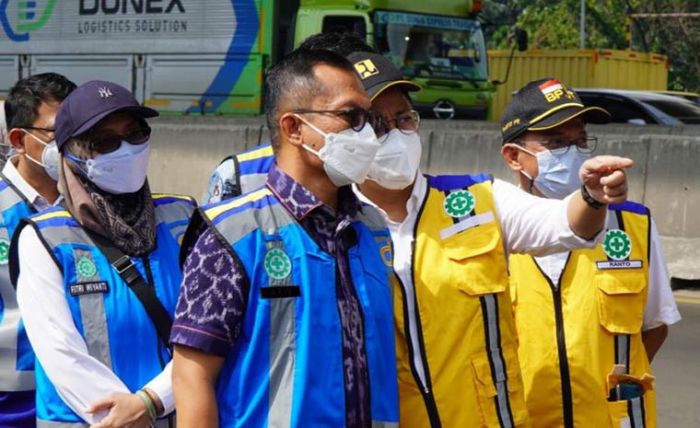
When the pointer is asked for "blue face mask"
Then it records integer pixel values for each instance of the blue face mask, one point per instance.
(121, 171)
(558, 175)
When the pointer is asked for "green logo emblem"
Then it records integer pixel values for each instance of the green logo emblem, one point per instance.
(617, 244)
(4, 251)
(86, 267)
(277, 264)
(460, 203)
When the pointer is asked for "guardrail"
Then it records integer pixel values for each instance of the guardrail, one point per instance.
(666, 176)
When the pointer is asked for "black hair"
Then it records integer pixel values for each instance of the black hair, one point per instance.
(341, 43)
(293, 79)
(23, 101)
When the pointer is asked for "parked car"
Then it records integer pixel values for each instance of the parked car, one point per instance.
(642, 107)
(690, 96)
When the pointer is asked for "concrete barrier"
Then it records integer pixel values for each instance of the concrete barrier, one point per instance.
(666, 176)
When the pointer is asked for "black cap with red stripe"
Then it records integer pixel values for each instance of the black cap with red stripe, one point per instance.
(545, 104)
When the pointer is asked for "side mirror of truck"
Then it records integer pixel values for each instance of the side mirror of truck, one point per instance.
(521, 39)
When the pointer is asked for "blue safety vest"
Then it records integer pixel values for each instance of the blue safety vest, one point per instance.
(117, 329)
(16, 355)
(286, 368)
(240, 173)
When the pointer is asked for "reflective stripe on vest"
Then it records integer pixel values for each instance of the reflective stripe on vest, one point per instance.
(282, 347)
(12, 208)
(492, 330)
(251, 168)
(458, 366)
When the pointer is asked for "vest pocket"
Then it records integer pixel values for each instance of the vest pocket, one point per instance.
(477, 261)
(626, 413)
(510, 404)
(621, 300)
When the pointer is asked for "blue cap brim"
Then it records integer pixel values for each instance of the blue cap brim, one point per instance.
(140, 111)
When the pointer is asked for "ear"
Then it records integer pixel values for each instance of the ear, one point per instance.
(15, 137)
(290, 129)
(511, 155)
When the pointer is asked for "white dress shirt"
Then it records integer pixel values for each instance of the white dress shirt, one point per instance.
(15, 178)
(80, 379)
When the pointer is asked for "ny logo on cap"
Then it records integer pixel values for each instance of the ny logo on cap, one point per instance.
(366, 69)
(104, 92)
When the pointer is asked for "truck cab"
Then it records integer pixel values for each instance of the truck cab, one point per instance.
(438, 44)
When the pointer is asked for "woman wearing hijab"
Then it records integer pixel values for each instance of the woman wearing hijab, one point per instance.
(98, 278)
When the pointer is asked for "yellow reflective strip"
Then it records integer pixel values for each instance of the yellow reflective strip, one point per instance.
(555, 109)
(170, 195)
(214, 212)
(48, 216)
(255, 154)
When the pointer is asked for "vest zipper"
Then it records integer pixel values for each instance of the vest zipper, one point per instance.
(564, 373)
(425, 388)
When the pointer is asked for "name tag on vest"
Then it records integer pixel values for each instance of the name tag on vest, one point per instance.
(467, 223)
(83, 288)
(619, 264)
(280, 292)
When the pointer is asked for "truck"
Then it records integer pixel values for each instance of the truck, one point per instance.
(209, 56)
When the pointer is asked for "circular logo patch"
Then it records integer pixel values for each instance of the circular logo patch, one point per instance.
(86, 267)
(460, 203)
(277, 264)
(617, 244)
(4, 251)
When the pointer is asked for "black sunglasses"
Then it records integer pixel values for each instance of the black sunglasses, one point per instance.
(356, 117)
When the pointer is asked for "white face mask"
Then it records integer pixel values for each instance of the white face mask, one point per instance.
(49, 156)
(558, 174)
(121, 171)
(397, 160)
(347, 155)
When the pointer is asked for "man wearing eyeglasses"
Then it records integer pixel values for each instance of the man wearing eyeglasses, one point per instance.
(456, 342)
(589, 321)
(285, 313)
(27, 185)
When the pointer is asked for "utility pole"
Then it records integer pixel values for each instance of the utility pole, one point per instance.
(582, 25)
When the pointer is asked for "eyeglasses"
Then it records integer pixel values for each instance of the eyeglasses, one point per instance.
(407, 123)
(583, 144)
(356, 117)
(109, 142)
(46, 131)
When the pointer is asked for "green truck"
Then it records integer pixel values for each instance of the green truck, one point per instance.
(209, 56)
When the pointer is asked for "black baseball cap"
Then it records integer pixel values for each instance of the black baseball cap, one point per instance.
(378, 74)
(545, 104)
(91, 102)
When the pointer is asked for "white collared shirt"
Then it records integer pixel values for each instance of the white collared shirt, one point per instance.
(13, 176)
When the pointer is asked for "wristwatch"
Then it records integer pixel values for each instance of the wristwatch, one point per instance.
(589, 199)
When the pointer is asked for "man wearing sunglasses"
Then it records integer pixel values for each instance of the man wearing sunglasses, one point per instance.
(588, 321)
(27, 185)
(242, 172)
(285, 314)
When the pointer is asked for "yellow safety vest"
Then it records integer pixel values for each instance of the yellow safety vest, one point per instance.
(457, 352)
(572, 335)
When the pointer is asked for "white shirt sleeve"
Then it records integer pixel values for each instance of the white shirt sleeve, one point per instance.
(58, 345)
(661, 307)
(162, 385)
(534, 225)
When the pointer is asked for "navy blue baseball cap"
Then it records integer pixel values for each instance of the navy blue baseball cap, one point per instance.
(91, 102)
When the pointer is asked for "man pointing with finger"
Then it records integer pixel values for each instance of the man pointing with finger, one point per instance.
(588, 321)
